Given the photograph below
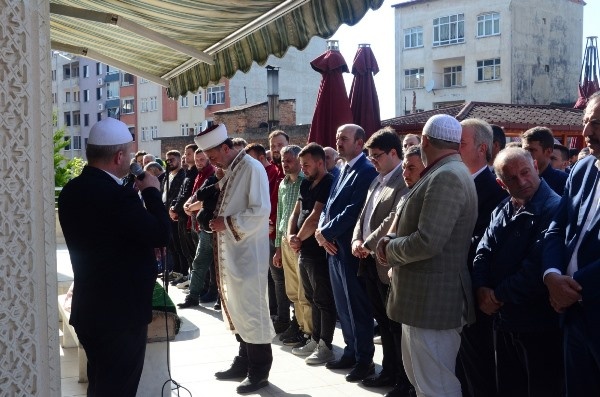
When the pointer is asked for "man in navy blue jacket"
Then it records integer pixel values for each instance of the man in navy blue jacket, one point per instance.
(539, 141)
(572, 263)
(334, 234)
(108, 231)
(506, 278)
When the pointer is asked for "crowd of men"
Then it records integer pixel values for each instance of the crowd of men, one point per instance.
(478, 262)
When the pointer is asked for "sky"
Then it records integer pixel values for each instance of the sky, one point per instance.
(377, 29)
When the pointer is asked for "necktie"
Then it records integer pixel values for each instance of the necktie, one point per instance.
(342, 177)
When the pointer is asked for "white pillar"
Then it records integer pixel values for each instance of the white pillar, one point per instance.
(29, 354)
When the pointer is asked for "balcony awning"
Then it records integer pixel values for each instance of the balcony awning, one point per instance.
(188, 44)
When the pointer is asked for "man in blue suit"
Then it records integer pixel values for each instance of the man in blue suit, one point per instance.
(336, 225)
(572, 263)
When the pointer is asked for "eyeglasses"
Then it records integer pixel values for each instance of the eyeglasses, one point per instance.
(376, 156)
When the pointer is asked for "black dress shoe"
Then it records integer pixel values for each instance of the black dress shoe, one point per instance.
(238, 369)
(379, 380)
(343, 362)
(401, 390)
(188, 303)
(249, 385)
(360, 372)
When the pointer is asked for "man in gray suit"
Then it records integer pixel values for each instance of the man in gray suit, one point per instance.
(430, 291)
(385, 152)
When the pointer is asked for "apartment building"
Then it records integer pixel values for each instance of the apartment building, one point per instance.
(504, 51)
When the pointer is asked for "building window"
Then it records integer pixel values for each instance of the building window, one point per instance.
(215, 95)
(183, 102)
(143, 80)
(113, 112)
(488, 69)
(67, 119)
(127, 106)
(144, 105)
(198, 99)
(112, 89)
(145, 134)
(76, 141)
(75, 96)
(66, 72)
(111, 70)
(154, 131)
(86, 71)
(54, 97)
(413, 78)
(98, 68)
(453, 76)
(185, 129)
(76, 118)
(75, 70)
(132, 132)
(68, 140)
(54, 75)
(99, 93)
(86, 95)
(86, 119)
(153, 102)
(99, 116)
(449, 30)
(488, 24)
(128, 79)
(67, 97)
(413, 37)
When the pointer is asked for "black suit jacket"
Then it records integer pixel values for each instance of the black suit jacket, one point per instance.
(489, 195)
(111, 239)
(174, 187)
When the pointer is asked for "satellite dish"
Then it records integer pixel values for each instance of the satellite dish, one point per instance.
(429, 86)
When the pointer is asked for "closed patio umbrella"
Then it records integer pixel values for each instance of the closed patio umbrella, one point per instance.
(588, 83)
(364, 101)
(333, 106)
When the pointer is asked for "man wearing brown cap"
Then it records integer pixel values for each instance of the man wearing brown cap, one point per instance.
(108, 230)
(241, 231)
(430, 291)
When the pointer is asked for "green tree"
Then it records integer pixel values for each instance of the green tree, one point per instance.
(64, 169)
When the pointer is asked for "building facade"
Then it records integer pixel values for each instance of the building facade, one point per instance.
(503, 51)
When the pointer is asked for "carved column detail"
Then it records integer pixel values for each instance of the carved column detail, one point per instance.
(29, 352)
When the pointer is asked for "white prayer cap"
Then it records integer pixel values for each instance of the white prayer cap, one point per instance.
(109, 132)
(211, 137)
(444, 127)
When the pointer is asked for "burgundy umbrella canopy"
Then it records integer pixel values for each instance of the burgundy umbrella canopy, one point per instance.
(333, 107)
(588, 80)
(364, 102)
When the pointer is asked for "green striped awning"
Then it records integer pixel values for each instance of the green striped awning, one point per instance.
(172, 41)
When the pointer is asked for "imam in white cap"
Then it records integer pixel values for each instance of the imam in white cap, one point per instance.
(211, 137)
(109, 132)
(444, 127)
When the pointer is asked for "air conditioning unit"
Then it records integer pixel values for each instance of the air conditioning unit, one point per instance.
(100, 107)
(100, 81)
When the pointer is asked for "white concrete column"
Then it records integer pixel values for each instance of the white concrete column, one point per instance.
(29, 353)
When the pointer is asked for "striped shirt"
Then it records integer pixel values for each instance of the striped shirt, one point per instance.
(286, 201)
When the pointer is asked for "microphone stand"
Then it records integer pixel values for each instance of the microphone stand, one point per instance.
(165, 255)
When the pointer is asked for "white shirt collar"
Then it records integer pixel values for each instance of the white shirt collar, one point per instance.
(118, 180)
(475, 175)
(383, 179)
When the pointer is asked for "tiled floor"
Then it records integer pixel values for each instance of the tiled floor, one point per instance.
(194, 361)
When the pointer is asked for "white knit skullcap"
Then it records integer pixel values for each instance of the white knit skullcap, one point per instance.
(444, 127)
(109, 132)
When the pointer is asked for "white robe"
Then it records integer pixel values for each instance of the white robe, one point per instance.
(243, 250)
